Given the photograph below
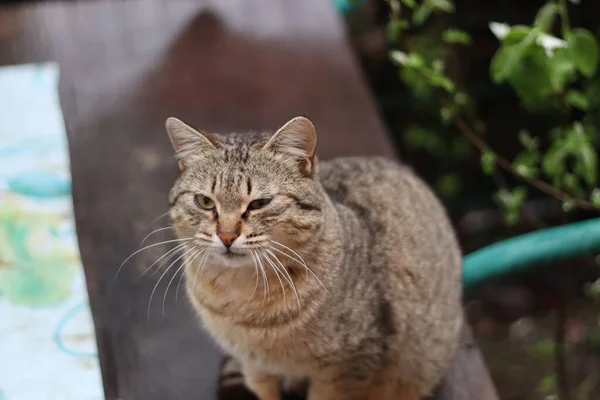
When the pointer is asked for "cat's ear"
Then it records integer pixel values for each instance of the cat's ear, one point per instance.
(298, 139)
(187, 142)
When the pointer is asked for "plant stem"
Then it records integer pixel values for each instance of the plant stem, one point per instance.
(564, 18)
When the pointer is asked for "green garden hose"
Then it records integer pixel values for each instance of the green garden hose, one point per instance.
(526, 251)
(348, 6)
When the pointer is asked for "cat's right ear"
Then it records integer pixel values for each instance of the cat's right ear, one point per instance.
(187, 142)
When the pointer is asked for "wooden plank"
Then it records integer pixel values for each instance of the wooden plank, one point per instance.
(220, 65)
(467, 378)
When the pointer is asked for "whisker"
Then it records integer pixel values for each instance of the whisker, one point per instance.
(153, 232)
(173, 278)
(170, 254)
(256, 274)
(148, 225)
(149, 246)
(289, 278)
(276, 274)
(201, 267)
(264, 275)
(160, 279)
(159, 217)
(188, 262)
(299, 262)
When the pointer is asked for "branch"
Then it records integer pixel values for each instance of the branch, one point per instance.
(503, 163)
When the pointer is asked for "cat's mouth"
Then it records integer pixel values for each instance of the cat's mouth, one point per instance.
(235, 259)
(231, 255)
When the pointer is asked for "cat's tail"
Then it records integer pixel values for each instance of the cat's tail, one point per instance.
(231, 382)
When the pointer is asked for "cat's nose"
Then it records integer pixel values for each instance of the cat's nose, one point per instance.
(227, 238)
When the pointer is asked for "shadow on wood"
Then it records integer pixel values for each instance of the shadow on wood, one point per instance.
(467, 378)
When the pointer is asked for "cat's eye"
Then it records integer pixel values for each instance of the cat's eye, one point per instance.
(258, 204)
(204, 202)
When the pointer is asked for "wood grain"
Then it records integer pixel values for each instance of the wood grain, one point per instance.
(221, 66)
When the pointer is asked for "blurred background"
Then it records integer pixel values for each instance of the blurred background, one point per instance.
(539, 329)
(496, 104)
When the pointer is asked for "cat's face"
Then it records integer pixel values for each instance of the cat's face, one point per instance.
(243, 199)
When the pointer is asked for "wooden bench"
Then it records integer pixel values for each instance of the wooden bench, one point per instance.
(220, 65)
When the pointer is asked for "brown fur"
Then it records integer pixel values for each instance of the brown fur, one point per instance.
(382, 319)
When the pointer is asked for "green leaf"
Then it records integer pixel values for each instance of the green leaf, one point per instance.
(488, 162)
(592, 92)
(584, 51)
(544, 348)
(461, 98)
(449, 185)
(595, 200)
(545, 16)
(443, 5)
(438, 65)
(415, 60)
(409, 3)
(512, 216)
(417, 137)
(439, 80)
(588, 163)
(446, 114)
(507, 60)
(568, 206)
(585, 153)
(577, 99)
(394, 29)
(572, 184)
(561, 69)
(531, 76)
(553, 163)
(417, 83)
(548, 383)
(509, 56)
(526, 163)
(503, 63)
(511, 201)
(421, 14)
(529, 142)
(456, 36)
(516, 35)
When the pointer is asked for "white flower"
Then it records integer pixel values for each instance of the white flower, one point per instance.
(549, 43)
(399, 56)
(499, 30)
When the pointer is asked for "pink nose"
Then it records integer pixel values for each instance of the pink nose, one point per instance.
(227, 238)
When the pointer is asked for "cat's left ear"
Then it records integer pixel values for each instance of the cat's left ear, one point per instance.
(187, 142)
(298, 139)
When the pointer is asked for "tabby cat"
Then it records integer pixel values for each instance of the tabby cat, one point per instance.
(345, 274)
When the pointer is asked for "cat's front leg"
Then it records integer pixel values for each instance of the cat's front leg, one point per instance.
(264, 386)
(327, 390)
(380, 389)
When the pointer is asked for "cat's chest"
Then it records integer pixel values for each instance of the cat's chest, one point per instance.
(280, 349)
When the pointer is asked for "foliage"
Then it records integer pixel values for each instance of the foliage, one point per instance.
(553, 70)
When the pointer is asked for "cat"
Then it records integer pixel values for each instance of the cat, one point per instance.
(343, 273)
